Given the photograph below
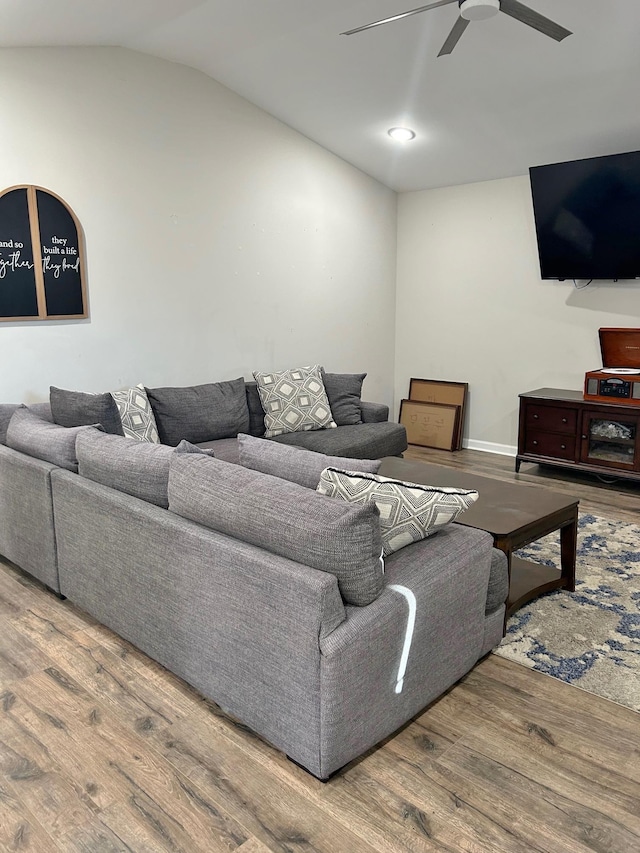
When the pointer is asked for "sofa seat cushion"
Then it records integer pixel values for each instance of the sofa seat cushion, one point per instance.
(364, 441)
(409, 512)
(77, 408)
(283, 518)
(41, 439)
(200, 413)
(294, 400)
(223, 448)
(294, 463)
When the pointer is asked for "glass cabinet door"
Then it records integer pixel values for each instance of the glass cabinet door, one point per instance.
(609, 441)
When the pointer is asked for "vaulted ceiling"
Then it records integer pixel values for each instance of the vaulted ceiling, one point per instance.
(507, 98)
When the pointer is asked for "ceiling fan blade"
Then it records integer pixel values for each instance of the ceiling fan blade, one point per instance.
(533, 19)
(398, 17)
(454, 36)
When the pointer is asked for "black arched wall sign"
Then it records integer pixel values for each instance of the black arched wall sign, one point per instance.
(42, 261)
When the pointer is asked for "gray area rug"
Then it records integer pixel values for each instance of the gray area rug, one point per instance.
(591, 637)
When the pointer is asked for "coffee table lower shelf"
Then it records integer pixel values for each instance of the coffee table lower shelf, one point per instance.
(529, 580)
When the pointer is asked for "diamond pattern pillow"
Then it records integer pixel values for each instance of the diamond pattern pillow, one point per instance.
(408, 511)
(294, 401)
(136, 414)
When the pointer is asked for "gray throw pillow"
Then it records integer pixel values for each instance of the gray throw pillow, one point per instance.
(41, 439)
(200, 412)
(283, 518)
(294, 463)
(344, 391)
(187, 447)
(76, 408)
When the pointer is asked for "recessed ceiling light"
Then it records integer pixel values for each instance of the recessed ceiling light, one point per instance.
(401, 134)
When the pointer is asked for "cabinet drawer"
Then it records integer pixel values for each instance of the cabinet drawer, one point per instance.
(551, 418)
(550, 444)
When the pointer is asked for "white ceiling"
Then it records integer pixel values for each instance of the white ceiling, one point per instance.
(507, 98)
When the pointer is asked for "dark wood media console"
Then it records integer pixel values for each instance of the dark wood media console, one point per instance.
(561, 428)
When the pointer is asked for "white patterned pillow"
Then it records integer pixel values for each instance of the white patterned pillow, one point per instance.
(136, 414)
(408, 511)
(294, 401)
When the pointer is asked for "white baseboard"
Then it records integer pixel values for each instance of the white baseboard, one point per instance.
(490, 447)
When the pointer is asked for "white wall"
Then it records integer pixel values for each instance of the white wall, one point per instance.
(471, 306)
(219, 241)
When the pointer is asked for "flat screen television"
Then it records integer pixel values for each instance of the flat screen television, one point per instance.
(587, 215)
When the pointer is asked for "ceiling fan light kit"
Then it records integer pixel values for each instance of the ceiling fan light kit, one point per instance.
(479, 10)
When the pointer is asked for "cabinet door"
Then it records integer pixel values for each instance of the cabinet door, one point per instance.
(610, 440)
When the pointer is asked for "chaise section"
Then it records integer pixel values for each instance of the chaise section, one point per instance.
(433, 610)
(365, 441)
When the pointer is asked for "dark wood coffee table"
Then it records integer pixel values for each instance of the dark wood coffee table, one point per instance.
(515, 515)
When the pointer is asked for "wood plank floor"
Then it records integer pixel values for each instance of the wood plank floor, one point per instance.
(102, 750)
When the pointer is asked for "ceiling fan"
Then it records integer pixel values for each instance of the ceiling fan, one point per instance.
(478, 10)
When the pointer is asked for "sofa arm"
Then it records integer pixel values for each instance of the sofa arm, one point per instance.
(372, 413)
(391, 658)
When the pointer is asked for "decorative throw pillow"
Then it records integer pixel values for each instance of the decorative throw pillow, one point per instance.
(294, 401)
(136, 414)
(41, 439)
(75, 408)
(294, 463)
(343, 392)
(200, 412)
(408, 511)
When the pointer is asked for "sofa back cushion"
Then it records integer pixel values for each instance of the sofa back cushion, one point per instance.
(200, 412)
(76, 408)
(6, 412)
(256, 412)
(283, 518)
(41, 439)
(294, 463)
(139, 468)
(344, 391)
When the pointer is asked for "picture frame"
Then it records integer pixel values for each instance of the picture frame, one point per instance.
(440, 391)
(42, 257)
(430, 424)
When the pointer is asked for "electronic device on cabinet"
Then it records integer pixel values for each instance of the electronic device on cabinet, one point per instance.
(618, 380)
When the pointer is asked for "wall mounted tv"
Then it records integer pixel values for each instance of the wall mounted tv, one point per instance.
(587, 215)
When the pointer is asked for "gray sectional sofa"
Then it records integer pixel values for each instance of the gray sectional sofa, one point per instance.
(268, 597)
